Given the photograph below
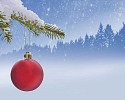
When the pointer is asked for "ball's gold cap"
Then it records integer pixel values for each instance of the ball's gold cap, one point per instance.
(28, 55)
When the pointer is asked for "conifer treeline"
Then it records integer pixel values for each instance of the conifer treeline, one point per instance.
(105, 43)
(104, 39)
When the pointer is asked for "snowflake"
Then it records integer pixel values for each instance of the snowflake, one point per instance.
(92, 22)
(91, 5)
(57, 11)
(48, 9)
(83, 14)
(90, 10)
(65, 55)
(119, 14)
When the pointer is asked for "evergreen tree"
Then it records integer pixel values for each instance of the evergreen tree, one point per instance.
(91, 41)
(80, 43)
(117, 42)
(71, 45)
(100, 38)
(86, 42)
(122, 36)
(109, 35)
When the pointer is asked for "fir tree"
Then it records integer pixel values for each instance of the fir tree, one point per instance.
(122, 36)
(80, 43)
(86, 42)
(109, 36)
(100, 38)
(117, 42)
(91, 41)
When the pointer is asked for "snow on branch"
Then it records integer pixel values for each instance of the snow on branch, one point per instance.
(15, 10)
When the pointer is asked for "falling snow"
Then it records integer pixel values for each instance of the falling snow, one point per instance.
(48, 9)
(75, 17)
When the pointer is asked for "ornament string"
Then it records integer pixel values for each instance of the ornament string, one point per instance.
(27, 46)
(29, 40)
(25, 38)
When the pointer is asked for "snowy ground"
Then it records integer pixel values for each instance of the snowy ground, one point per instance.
(93, 80)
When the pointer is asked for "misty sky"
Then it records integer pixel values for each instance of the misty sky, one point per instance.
(88, 80)
(78, 17)
(97, 79)
(75, 17)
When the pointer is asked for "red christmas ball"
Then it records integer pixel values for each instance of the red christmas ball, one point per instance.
(27, 74)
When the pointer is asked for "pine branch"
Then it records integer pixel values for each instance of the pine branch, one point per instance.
(4, 26)
(49, 30)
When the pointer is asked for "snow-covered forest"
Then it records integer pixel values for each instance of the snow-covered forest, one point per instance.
(105, 43)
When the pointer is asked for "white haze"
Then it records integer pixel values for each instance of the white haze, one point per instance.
(10, 6)
(86, 80)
